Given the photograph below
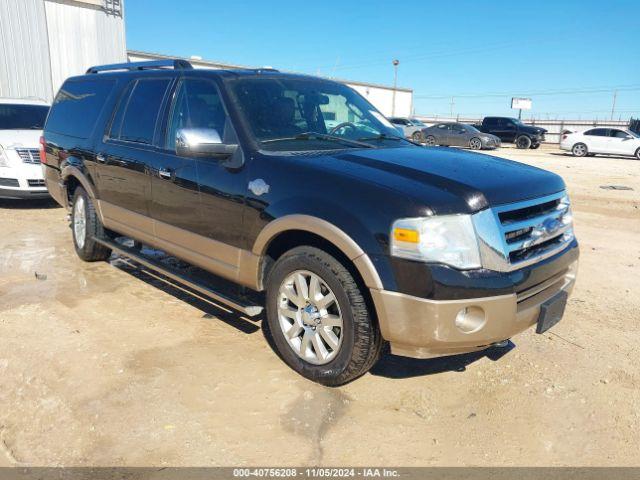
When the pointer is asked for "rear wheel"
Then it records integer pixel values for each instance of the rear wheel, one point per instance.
(418, 137)
(85, 226)
(318, 318)
(523, 142)
(638, 154)
(430, 140)
(475, 144)
(580, 150)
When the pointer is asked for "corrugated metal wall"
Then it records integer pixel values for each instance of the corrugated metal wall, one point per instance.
(42, 42)
(24, 50)
(80, 37)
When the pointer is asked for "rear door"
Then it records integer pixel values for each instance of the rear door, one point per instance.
(458, 136)
(597, 140)
(126, 151)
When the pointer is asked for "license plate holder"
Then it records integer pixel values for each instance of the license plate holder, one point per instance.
(551, 311)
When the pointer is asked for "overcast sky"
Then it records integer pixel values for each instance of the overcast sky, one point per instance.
(568, 56)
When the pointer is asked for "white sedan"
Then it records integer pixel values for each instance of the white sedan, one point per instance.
(610, 141)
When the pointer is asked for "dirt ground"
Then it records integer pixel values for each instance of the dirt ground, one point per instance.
(101, 365)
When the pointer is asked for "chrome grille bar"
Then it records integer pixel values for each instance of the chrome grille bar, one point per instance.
(29, 155)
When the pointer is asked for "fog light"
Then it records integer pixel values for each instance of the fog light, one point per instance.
(470, 319)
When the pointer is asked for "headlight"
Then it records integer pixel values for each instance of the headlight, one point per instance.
(4, 160)
(447, 239)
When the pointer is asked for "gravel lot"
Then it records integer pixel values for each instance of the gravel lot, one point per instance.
(103, 365)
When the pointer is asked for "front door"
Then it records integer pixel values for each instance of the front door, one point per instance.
(198, 203)
(621, 143)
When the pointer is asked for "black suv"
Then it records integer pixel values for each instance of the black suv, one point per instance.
(512, 130)
(355, 236)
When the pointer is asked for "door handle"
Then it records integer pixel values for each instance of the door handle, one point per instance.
(101, 158)
(165, 173)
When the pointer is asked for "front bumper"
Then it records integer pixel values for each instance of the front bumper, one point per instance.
(22, 194)
(424, 328)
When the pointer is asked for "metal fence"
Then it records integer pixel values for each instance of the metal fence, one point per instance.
(554, 127)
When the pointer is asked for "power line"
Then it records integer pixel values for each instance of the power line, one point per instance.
(572, 91)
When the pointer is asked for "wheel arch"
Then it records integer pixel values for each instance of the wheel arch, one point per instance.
(72, 177)
(295, 230)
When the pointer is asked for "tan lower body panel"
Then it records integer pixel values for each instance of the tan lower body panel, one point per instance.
(421, 328)
(229, 262)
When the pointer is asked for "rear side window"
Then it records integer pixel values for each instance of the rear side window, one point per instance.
(597, 132)
(77, 106)
(135, 119)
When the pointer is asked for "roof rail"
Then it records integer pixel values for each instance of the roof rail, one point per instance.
(176, 64)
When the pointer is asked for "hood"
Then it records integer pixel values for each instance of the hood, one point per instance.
(449, 181)
(534, 130)
(10, 139)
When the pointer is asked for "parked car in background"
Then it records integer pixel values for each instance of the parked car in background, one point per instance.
(411, 127)
(611, 141)
(21, 123)
(453, 134)
(355, 235)
(512, 130)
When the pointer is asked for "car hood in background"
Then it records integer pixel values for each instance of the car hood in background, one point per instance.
(449, 181)
(10, 139)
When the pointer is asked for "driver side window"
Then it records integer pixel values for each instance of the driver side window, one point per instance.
(197, 104)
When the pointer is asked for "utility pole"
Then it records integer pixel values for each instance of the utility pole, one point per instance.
(451, 105)
(396, 62)
(613, 107)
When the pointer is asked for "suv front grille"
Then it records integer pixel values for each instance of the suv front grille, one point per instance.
(528, 232)
(29, 155)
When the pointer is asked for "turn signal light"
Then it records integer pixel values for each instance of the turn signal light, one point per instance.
(406, 235)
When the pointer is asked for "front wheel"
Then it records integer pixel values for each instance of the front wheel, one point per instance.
(85, 227)
(475, 144)
(523, 142)
(430, 140)
(318, 317)
(535, 146)
(580, 150)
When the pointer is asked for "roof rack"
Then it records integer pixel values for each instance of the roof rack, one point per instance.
(176, 64)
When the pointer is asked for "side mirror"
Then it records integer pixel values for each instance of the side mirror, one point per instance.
(202, 142)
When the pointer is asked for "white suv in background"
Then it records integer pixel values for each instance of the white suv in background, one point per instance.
(21, 122)
(609, 141)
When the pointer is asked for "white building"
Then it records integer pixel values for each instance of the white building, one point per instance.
(42, 42)
(381, 96)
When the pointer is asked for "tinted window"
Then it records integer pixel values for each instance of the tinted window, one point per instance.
(618, 134)
(490, 122)
(443, 127)
(597, 132)
(141, 111)
(197, 105)
(22, 117)
(77, 106)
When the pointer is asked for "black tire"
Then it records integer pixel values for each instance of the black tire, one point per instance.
(430, 140)
(580, 150)
(418, 137)
(523, 142)
(638, 154)
(535, 146)
(361, 339)
(87, 249)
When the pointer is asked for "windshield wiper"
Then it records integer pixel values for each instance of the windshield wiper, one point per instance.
(321, 136)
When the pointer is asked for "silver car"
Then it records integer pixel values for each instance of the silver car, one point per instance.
(411, 127)
(453, 134)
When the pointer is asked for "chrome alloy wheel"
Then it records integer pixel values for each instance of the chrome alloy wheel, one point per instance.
(310, 317)
(579, 150)
(80, 222)
(430, 141)
(475, 144)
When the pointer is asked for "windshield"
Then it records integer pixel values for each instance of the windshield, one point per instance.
(635, 134)
(293, 114)
(22, 117)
